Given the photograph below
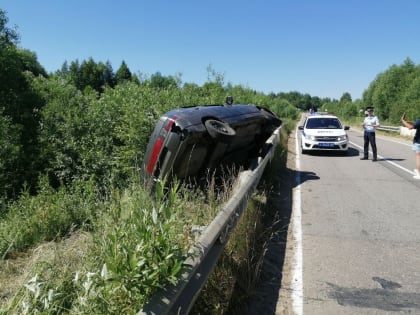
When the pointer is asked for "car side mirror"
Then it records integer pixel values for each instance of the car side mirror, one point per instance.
(346, 127)
(300, 127)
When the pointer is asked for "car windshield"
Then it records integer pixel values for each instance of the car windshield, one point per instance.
(323, 123)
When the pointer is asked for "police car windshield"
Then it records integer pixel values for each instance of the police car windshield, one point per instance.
(323, 123)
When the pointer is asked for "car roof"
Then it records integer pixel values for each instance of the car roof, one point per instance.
(194, 114)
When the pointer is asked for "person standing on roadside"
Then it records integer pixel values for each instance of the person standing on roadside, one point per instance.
(416, 142)
(370, 124)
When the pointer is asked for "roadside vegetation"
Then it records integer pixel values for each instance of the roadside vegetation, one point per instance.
(391, 93)
(80, 230)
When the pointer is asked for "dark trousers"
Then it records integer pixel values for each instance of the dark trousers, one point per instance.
(369, 137)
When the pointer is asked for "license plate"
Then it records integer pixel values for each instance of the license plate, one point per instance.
(327, 145)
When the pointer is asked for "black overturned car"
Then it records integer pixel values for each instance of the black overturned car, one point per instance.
(190, 140)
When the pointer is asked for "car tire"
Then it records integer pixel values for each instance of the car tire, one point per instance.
(219, 130)
(302, 150)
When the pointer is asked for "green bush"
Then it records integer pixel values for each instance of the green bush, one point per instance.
(10, 150)
(50, 215)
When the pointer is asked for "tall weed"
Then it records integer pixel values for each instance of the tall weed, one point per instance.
(139, 242)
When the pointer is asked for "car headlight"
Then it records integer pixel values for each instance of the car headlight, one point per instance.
(309, 137)
(341, 138)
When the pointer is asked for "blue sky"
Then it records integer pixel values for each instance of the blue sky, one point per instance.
(324, 47)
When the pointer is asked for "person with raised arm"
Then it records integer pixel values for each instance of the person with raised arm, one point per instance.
(416, 141)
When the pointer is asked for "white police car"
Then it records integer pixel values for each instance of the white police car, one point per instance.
(323, 131)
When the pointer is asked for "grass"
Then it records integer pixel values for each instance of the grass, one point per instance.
(135, 245)
(72, 252)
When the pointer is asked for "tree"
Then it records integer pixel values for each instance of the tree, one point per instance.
(214, 93)
(213, 76)
(64, 127)
(88, 75)
(10, 150)
(390, 87)
(74, 74)
(159, 81)
(346, 97)
(394, 91)
(108, 76)
(64, 71)
(20, 105)
(8, 36)
(30, 62)
(123, 74)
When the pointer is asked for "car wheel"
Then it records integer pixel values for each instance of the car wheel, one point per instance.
(302, 150)
(219, 130)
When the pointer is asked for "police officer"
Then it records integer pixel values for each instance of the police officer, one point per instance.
(370, 124)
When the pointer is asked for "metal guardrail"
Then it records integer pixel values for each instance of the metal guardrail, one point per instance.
(180, 298)
(389, 128)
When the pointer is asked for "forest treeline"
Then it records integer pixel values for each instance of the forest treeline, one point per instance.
(391, 93)
(87, 121)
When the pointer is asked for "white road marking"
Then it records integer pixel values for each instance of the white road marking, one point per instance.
(384, 158)
(296, 222)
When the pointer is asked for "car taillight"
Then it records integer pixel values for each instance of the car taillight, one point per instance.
(157, 147)
(154, 155)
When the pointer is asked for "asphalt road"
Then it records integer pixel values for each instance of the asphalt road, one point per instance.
(354, 236)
